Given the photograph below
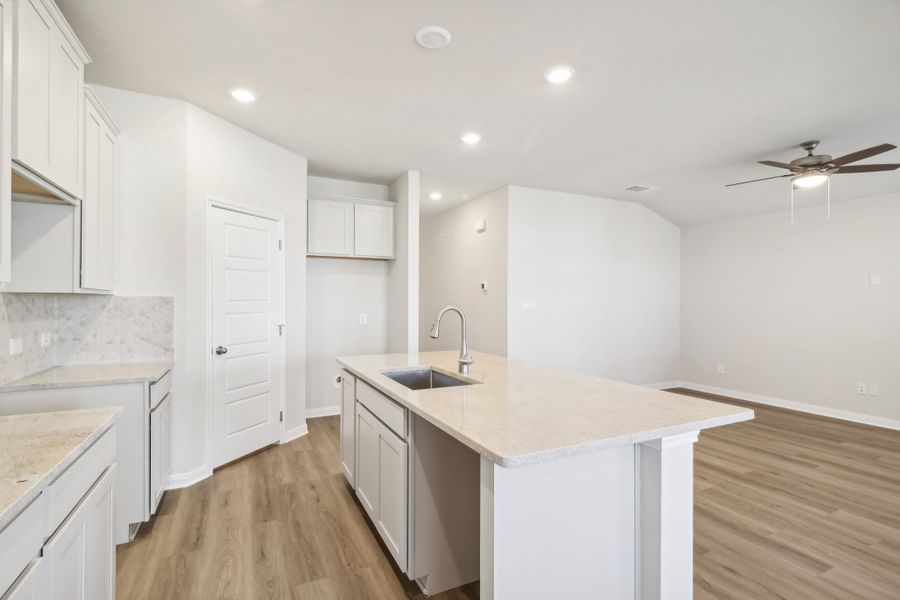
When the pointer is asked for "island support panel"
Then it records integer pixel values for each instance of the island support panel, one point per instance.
(616, 523)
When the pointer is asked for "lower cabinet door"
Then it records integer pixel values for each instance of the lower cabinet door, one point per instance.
(80, 555)
(348, 424)
(393, 497)
(160, 450)
(367, 460)
(28, 585)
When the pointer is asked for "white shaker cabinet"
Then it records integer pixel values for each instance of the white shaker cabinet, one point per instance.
(330, 227)
(30, 585)
(348, 426)
(160, 450)
(350, 228)
(382, 481)
(373, 230)
(80, 556)
(97, 204)
(49, 98)
(6, 36)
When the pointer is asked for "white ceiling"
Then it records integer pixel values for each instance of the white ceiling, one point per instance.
(681, 95)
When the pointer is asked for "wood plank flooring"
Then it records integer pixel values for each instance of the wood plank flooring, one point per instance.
(788, 506)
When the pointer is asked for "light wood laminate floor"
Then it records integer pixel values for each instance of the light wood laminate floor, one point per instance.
(788, 506)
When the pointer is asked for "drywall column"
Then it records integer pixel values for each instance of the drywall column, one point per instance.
(403, 294)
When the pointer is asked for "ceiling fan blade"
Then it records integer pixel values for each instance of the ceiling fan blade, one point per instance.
(855, 156)
(772, 163)
(866, 168)
(763, 179)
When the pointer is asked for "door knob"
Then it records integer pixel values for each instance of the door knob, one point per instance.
(221, 350)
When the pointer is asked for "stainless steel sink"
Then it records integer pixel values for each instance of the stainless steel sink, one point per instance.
(424, 379)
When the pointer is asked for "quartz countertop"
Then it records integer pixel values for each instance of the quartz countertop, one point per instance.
(83, 375)
(520, 414)
(36, 448)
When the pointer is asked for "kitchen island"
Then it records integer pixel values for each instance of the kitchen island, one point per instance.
(583, 486)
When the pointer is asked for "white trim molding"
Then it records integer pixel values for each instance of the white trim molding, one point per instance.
(183, 480)
(663, 385)
(323, 411)
(814, 409)
(294, 433)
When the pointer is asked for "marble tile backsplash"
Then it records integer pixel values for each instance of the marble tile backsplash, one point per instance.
(85, 329)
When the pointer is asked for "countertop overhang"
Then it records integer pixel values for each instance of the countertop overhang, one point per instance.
(521, 414)
(66, 376)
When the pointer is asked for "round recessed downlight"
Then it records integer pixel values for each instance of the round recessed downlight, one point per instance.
(433, 37)
(435, 196)
(243, 95)
(470, 138)
(810, 180)
(559, 74)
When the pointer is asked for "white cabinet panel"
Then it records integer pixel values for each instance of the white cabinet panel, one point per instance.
(330, 227)
(6, 20)
(367, 460)
(29, 585)
(373, 231)
(383, 481)
(160, 451)
(348, 426)
(100, 568)
(49, 80)
(97, 204)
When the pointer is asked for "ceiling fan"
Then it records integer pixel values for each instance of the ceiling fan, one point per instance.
(814, 170)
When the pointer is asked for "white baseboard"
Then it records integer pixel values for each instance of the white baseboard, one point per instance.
(183, 480)
(822, 411)
(292, 434)
(323, 411)
(662, 385)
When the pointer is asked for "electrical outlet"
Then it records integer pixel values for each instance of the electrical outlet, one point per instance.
(15, 346)
(720, 368)
(875, 279)
(363, 318)
(874, 390)
(861, 388)
(46, 339)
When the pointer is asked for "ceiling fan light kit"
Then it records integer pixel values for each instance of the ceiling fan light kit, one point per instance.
(813, 170)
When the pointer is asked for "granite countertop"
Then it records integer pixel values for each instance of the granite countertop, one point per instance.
(523, 414)
(83, 375)
(36, 448)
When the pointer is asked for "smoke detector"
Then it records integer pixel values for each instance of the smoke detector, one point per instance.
(433, 37)
(640, 188)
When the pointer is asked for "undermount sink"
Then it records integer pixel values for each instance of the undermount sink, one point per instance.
(424, 379)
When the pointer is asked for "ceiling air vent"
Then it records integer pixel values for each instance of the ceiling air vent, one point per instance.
(640, 188)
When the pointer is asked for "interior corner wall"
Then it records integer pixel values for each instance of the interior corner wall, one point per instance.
(593, 286)
(338, 291)
(171, 155)
(403, 290)
(790, 310)
(455, 259)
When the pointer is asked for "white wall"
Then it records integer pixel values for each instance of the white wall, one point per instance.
(338, 291)
(454, 260)
(593, 286)
(789, 310)
(171, 156)
(403, 291)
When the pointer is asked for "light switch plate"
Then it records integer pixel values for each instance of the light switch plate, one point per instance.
(46, 339)
(363, 319)
(874, 390)
(15, 346)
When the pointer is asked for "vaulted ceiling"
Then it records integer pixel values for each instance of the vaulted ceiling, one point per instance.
(683, 96)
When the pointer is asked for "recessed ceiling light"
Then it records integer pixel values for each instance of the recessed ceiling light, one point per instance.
(471, 138)
(559, 74)
(435, 195)
(433, 37)
(243, 95)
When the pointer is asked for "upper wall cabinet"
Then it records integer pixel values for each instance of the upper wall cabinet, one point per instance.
(350, 228)
(97, 204)
(48, 95)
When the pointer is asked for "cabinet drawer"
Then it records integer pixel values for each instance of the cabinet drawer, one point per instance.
(21, 541)
(159, 389)
(389, 412)
(64, 493)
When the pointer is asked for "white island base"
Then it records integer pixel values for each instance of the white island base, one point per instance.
(613, 524)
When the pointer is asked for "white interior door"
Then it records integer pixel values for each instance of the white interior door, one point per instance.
(247, 350)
